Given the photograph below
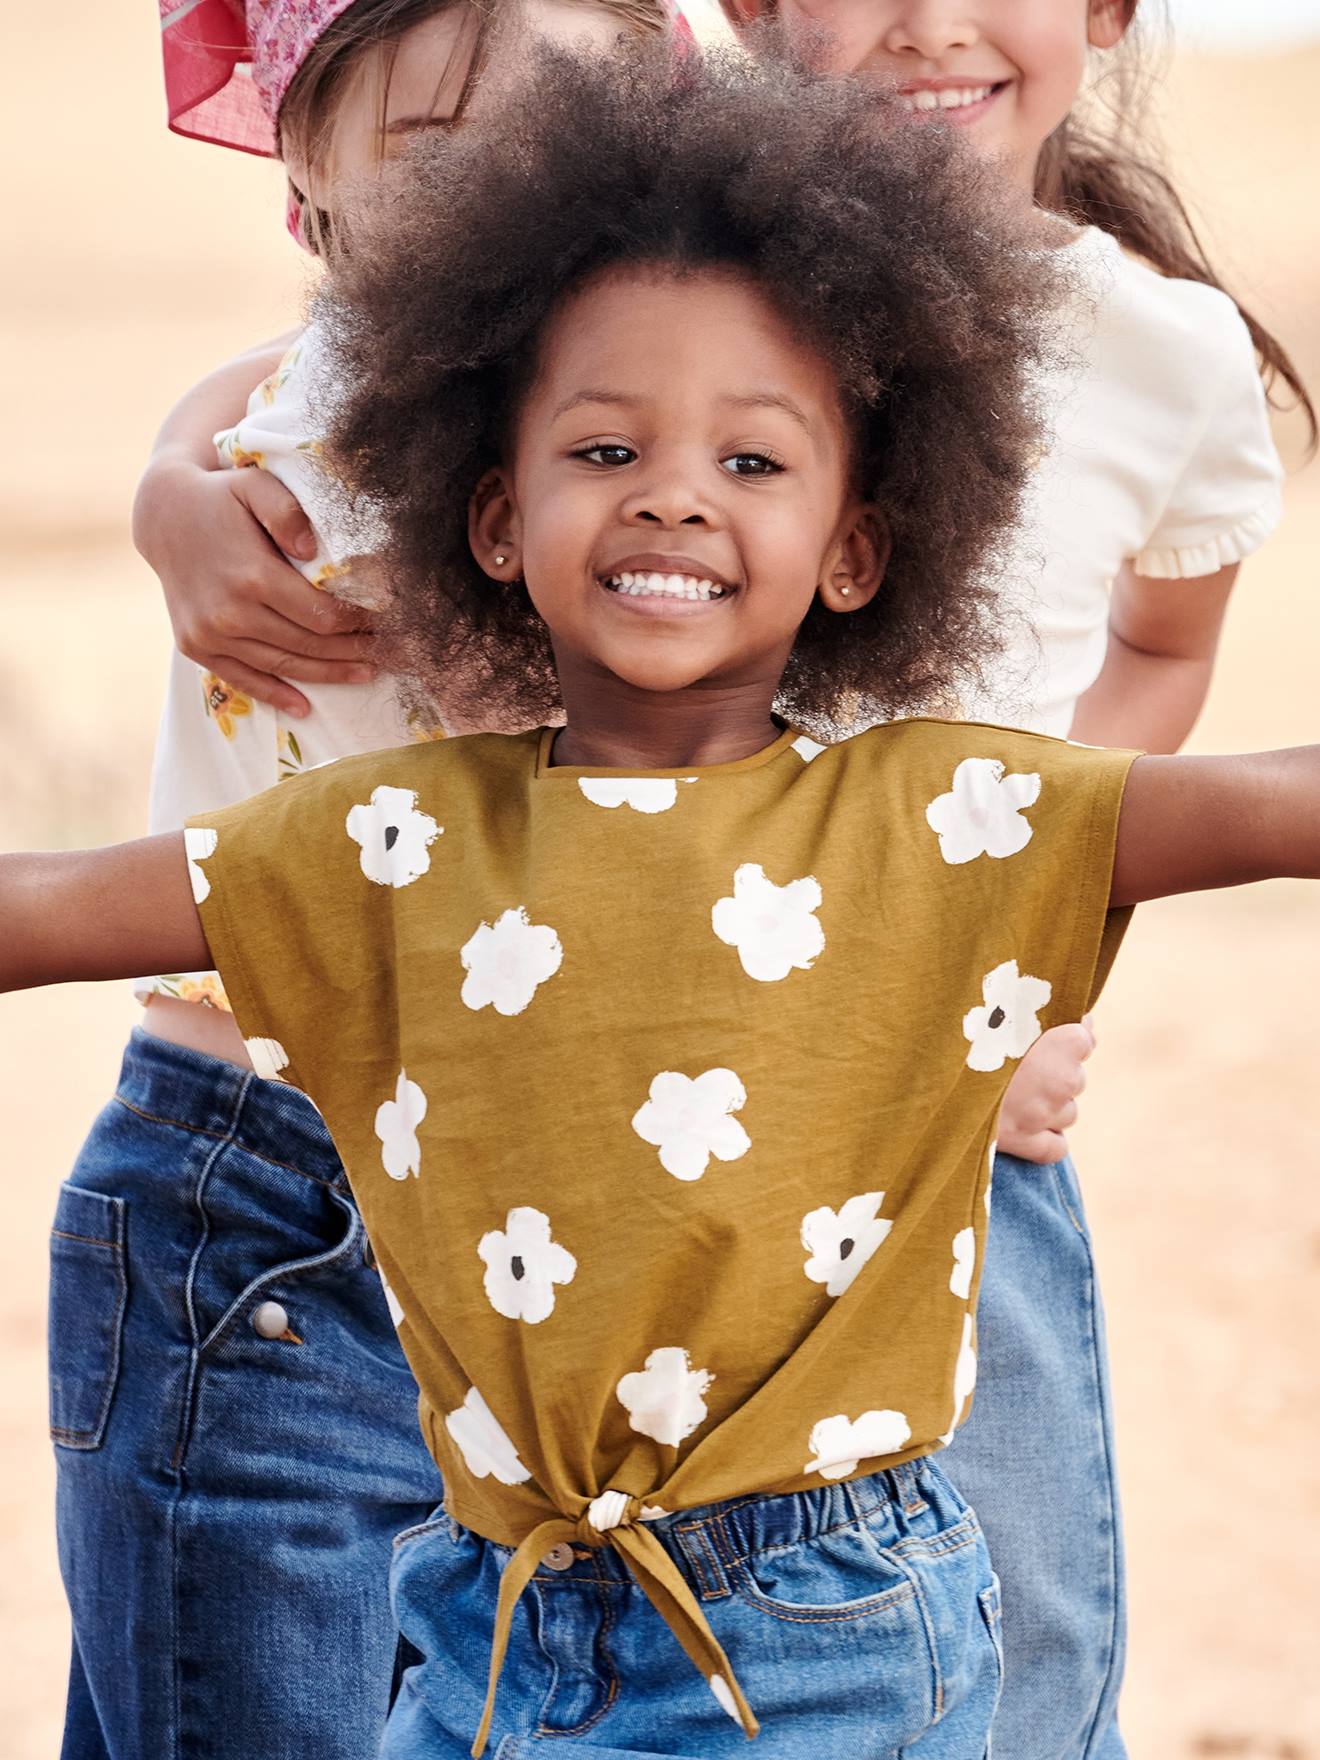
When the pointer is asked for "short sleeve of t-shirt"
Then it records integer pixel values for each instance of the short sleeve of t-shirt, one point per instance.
(1226, 498)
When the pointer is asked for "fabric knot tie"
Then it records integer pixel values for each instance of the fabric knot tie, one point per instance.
(618, 1520)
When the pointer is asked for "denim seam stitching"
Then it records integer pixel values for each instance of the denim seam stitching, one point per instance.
(710, 1578)
(88, 1440)
(826, 1616)
(87, 1240)
(928, 1626)
(199, 1130)
(606, 1627)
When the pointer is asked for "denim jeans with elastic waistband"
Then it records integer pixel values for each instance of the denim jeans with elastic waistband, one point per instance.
(1036, 1461)
(861, 1619)
(227, 1499)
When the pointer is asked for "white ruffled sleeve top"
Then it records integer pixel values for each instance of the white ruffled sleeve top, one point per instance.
(1158, 454)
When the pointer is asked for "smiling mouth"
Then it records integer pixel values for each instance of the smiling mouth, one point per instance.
(927, 98)
(651, 584)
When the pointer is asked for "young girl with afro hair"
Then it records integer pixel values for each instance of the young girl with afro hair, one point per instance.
(664, 1041)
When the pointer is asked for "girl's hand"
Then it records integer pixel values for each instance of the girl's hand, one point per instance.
(1041, 1102)
(214, 538)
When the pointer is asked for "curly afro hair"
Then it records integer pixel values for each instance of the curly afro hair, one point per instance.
(885, 247)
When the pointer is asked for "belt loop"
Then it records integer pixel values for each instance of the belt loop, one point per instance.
(703, 1559)
(907, 1490)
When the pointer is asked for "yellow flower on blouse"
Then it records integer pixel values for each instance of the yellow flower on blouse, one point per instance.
(238, 456)
(207, 990)
(223, 703)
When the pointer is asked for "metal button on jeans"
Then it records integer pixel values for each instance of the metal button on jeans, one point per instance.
(559, 1557)
(270, 1320)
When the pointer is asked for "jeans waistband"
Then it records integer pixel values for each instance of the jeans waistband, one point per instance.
(174, 1084)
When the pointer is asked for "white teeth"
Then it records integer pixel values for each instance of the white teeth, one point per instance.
(664, 586)
(948, 98)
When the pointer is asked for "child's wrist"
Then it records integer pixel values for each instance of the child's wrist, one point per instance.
(169, 470)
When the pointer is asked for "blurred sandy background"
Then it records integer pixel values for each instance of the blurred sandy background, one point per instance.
(135, 262)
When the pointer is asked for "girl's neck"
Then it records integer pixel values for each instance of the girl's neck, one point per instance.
(621, 728)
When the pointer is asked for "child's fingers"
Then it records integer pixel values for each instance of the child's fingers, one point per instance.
(308, 659)
(312, 608)
(258, 634)
(278, 510)
(264, 686)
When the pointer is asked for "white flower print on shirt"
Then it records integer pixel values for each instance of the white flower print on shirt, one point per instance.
(982, 813)
(1006, 1026)
(486, 1450)
(644, 794)
(396, 1126)
(840, 1444)
(689, 1120)
(774, 928)
(395, 837)
(523, 1265)
(840, 1242)
(392, 1301)
(507, 960)
(665, 1400)
(964, 1263)
(964, 1379)
(199, 841)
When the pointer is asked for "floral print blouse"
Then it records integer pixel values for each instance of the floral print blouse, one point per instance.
(216, 744)
(668, 1099)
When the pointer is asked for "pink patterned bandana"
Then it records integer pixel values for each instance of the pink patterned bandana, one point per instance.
(228, 63)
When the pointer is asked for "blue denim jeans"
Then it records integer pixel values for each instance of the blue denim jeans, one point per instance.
(226, 1500)
(1036, 1461)
(862, 1621)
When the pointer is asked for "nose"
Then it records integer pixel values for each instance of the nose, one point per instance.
(670, 497)
(930, 28)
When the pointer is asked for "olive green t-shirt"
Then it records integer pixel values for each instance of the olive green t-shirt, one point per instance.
(669, 1099)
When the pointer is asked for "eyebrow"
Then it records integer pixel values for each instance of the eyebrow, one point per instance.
(407, 124)
(750, 400)
(772, 400)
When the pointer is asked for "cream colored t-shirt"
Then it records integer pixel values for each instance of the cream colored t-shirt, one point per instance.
(668, 1099)
(1158, 454)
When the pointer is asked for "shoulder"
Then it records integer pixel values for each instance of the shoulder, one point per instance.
(927, 751)
(1159, 328)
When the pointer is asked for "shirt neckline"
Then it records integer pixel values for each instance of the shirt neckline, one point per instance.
(767, 755)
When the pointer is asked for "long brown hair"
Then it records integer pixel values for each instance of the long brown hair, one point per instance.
(1098, 169)
(365, 39)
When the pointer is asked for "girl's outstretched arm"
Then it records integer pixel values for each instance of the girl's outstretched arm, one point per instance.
(1192, 824)
(122, 912)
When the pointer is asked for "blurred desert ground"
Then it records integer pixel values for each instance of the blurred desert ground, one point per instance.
(135, 261)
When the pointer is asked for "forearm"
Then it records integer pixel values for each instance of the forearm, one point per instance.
(1147, 701)
(217, 401)
(1195, 824)
(78, 915)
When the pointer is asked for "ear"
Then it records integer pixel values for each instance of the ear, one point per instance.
(856, 562)
(1107, 22)
(494, 528)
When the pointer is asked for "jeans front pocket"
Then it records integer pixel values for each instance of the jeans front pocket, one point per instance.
(88, 1294)
(843, 1575)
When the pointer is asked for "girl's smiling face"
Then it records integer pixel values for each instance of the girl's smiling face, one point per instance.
(1006, 71)
(679, 489)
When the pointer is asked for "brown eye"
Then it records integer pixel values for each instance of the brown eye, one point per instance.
(609, 455)
(751, 464)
